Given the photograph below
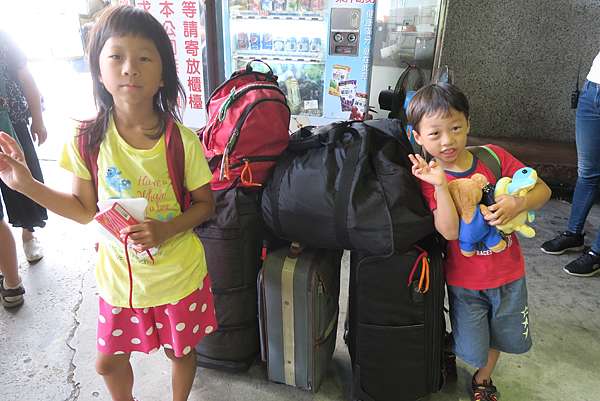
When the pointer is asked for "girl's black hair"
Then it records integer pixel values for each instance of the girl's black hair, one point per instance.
(436, 98)
(120, 21)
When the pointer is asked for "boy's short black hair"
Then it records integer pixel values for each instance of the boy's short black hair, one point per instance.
(436, 99)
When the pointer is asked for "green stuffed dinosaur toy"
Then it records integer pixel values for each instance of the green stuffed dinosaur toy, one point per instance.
(520, 183)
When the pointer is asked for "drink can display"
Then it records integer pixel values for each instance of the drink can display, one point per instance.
(254, 5)
(291, 44)
(266, 41)
(292, 5)
(239, 5)
(317, 5)
(279, 5)
(293, 95)
(254, 41)
(304, 5)
(315, 45)
(242, 41)
(303, 44)
(266, 5)
(278, 44)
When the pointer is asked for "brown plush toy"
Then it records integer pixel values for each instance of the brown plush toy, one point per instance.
(474, 232)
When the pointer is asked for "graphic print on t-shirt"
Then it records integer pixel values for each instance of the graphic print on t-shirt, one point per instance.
(116, 181)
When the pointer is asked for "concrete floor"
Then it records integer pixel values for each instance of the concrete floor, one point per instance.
(47, 347)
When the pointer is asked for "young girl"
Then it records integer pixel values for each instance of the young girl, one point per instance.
(136, 88)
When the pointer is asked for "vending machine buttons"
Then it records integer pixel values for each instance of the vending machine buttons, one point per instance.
(344, 34)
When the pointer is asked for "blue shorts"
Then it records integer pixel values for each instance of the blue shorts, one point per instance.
(497, 318)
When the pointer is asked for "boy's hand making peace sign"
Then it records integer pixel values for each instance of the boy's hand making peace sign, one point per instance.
(431, 173)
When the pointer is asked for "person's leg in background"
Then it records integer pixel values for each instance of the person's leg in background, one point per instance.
(587, 135)
(22, 211)
(11, 287)
(587, 132)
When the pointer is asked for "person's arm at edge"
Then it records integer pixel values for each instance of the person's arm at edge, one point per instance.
(34, 101)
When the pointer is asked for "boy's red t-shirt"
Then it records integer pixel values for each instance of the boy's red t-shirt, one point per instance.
(486, 269)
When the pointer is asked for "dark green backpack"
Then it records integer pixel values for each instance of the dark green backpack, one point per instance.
(488, 157)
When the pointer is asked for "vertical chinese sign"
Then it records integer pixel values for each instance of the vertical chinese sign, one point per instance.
(184, 24)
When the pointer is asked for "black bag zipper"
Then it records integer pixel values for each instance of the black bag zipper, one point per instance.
(254, 159)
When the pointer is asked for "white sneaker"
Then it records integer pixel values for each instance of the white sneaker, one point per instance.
(33, 250)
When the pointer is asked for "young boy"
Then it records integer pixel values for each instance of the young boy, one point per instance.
(487, 291)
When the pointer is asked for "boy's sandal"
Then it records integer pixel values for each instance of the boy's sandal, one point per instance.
(483, 392)
(11, 297)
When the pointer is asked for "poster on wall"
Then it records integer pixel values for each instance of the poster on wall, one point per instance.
(349, 62)
(184, 23)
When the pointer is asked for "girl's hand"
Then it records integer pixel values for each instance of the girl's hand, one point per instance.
(431, 173)
(505, 209)
(13, 168)
(148, 234)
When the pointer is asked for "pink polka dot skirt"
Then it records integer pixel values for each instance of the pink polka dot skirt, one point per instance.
(178, 326)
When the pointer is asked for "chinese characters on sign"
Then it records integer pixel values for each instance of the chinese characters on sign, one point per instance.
(182, 22)
(368, 32)
(355, 1)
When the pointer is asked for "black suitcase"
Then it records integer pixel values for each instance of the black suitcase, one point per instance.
(395, 331)
(298, 294)
(232, 242)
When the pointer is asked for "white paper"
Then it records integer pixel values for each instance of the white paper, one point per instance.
(135, 206)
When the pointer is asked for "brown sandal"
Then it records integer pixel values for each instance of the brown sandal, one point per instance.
(11, 297)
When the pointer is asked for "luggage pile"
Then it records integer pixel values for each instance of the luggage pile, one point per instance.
(241, 147)
(345, 185)
(349, 185)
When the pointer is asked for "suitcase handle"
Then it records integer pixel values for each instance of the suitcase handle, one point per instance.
(270, 74)
(295, 250)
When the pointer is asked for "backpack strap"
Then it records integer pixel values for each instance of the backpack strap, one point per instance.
(90, 157)
(488, 157)
(176, 164)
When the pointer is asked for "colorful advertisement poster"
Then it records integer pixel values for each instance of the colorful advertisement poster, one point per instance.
(348, 75)
(182, 22)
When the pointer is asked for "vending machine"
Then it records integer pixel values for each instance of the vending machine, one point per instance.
(319, 49)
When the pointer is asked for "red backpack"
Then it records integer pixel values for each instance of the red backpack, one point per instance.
(247, 128)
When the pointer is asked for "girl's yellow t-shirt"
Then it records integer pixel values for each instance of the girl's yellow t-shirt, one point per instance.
(126, 172)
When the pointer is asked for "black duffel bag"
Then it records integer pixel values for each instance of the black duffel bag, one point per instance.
(348, 185)
(232, 242)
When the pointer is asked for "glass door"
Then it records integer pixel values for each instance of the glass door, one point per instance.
(407, 32)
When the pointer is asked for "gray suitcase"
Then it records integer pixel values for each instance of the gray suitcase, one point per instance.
(298, 313)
